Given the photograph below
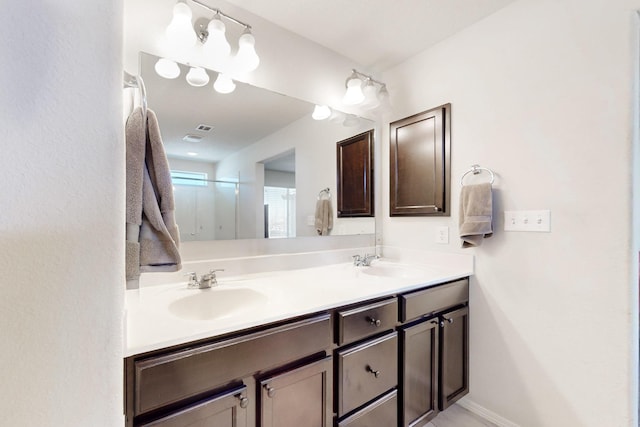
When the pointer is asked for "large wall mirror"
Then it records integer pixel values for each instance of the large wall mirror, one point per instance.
(249, 164)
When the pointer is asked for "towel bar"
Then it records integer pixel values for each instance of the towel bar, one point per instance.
(476, 169)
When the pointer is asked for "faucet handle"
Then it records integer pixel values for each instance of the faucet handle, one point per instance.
(357, 260)
(211, 277)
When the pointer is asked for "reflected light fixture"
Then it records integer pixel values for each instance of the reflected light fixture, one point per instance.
(224, 84)
(197, 76)
(167, 68)
(321, 112)
(365, 91)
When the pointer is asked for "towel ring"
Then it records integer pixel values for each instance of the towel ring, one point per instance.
(476, 169)
(323, 191)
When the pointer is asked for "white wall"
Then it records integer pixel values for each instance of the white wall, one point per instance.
(541, 93)
(62, 214)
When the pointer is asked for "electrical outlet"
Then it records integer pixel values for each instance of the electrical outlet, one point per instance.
(442, 235)
(537, 221)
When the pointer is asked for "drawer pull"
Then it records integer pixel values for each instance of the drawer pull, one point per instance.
(373, 371)
(373, 321)
(244, 402)
(270, 390)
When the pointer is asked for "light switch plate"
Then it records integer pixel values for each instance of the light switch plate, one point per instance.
(537, 221)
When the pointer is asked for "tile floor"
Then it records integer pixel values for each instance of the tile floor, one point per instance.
(457, 416)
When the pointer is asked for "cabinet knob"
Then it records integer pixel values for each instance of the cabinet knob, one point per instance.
(270, 390)
(244, 402)
(373, 371)
(373, 321)
(450, 320)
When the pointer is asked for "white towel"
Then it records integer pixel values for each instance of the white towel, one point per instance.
(324, 217)
(476, 210)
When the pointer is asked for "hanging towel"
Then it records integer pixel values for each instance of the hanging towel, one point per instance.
(324, 217)
(476, 209)
(152, 233)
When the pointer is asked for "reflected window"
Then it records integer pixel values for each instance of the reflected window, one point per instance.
(279, 212)
(193, 179)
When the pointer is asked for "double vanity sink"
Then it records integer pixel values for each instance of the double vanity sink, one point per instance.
(167, 315)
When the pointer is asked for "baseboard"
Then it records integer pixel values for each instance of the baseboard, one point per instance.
(483, 412)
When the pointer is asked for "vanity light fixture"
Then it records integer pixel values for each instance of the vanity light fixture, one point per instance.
(217, 47)
(365, 91)
(180, 32)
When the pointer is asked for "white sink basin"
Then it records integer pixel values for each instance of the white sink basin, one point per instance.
(209, 304)
(399, 271)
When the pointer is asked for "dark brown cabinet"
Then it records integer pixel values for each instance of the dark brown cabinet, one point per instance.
(301, 397)
(419, 372)
(355, 176)
(434, 364)
(420, 161)
(454, 356)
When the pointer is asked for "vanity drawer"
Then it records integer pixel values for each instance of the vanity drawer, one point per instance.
(366, 371)
(431, 300)
(361, 322)
(176, 376)
(382, 412)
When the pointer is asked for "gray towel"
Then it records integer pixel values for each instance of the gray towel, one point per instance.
(324, 217)
(476, 210)
(149, 196)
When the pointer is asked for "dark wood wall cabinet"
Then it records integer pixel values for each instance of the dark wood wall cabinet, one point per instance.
(420, 163)
(355, 176)
(392, 361)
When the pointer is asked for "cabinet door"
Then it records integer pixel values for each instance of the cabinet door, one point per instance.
(420, 164)
(355, 176)
(225, 410)
(301, 397)
(454, 354)
(418, 372)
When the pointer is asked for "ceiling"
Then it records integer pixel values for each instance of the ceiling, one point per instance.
(375, 33)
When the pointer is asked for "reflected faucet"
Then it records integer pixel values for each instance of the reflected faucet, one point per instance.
(364, 261)
(206, 281)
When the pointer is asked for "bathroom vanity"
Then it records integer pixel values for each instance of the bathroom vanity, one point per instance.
(396, 356)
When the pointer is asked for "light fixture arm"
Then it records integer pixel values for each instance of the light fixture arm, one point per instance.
(363, 76)
(224, 15)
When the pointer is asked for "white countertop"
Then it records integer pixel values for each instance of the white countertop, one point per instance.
(156, 316)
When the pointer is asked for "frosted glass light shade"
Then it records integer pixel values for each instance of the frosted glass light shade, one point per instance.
(354, 93)
(167, 68)
(370, 96)
(217, 45)
(180, 30)
(224, 84)
(321, 112)
(197, 77)
(247, 59)
(383, 97)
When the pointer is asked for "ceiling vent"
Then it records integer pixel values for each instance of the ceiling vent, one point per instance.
(192, 138)
(204, 128)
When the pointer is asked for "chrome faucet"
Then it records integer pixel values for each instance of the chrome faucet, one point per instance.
(368, 259)
(206, 281)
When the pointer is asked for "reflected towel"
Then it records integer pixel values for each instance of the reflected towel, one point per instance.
(324, 217)
(476, 210)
